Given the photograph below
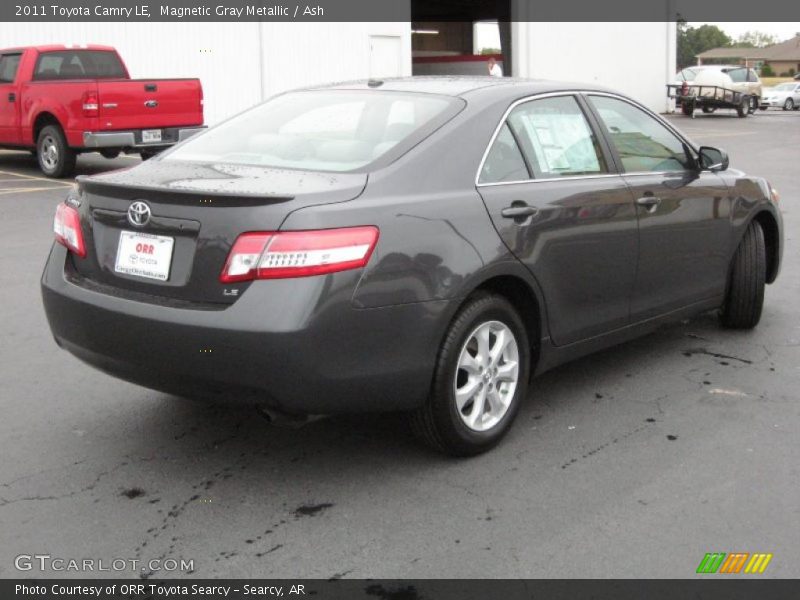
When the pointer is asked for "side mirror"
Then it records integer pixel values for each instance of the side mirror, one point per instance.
(713, 159)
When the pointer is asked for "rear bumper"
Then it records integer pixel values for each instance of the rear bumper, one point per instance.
(294, 344)
(133, 138)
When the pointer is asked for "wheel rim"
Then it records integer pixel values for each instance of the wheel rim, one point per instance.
(487, 375)
(49, 153)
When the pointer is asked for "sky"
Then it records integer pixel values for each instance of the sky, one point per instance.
(782, 31)
(488, 36)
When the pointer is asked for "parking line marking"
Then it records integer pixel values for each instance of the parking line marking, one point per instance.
(26, 190)
(51, 181)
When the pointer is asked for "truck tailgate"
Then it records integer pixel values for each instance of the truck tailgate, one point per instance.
(149, 103)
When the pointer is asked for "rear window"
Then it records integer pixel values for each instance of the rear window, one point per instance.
(9, 63)
(321, 131)
(79, 64)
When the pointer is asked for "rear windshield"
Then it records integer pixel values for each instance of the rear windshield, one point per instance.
(319, 130)
(79, 64)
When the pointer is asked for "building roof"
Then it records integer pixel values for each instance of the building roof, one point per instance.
(788, 50)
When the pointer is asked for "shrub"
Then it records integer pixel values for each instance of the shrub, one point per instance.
(766, 71)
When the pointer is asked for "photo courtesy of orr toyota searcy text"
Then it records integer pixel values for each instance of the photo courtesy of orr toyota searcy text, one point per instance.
(157, 590)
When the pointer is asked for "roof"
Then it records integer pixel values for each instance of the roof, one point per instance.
(57, 47)
(788, 50)
(459, 86)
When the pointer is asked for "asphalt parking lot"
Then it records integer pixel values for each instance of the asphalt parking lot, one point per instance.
(631, 463)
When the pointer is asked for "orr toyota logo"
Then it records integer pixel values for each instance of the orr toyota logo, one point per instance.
(733, 563)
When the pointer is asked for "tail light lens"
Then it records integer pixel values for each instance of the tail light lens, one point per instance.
(91, 104)
(67, 229)
(277, 255)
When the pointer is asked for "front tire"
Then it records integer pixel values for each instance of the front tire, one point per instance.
(743, 109)
(745, 296)
(56, 158)
(789, 104)
(481, 379)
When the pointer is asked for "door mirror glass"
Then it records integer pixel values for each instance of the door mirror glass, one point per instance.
(713, 159)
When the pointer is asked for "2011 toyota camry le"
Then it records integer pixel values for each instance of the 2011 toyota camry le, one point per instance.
(425, 245)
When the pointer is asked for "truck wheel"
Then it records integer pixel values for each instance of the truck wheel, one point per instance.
(148, 154)
(56, 158)
(109, 153)
(709, 109)
(745, 296)
(481, 379)
(789, 104)
(744, 107)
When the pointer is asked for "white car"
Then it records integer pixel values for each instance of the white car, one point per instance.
(785, 95)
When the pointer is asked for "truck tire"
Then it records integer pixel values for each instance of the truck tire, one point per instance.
(148, 154)
(743, 109)
(109, 153)
(745, 296)
(56, 158)
(709, 109)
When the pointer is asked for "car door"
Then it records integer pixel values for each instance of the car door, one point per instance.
(558, 205)
(9, 103)
(684, 213)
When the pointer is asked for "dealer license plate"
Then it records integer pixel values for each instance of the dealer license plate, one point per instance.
(144, 255)
(150, 136)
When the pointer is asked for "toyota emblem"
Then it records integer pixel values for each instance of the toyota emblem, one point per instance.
(138, 214)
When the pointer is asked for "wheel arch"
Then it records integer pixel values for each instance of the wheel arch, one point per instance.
(42, 120)
(772, 241)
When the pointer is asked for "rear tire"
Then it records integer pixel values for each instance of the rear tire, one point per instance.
(745, 296)
(481, 379)
(56, 158)
(687, 107)
(709, 109)
(743, 109)
(148, 154)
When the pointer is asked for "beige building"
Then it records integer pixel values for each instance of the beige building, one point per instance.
(783, 58)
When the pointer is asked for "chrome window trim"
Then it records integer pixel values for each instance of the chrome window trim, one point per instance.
(515, 104)
(575, 93)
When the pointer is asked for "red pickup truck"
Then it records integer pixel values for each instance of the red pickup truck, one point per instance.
(59, 101)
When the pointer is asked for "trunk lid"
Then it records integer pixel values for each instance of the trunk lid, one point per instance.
(149, 103)
(196, 212)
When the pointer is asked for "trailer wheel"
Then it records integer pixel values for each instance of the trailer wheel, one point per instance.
(755, 103)
(709, 109)
(743, 108)
(687, 107)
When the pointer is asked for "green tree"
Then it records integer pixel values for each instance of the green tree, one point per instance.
(694, 40)
(755, 39)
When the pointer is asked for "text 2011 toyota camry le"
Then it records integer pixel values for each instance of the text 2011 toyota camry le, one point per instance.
(424, 245)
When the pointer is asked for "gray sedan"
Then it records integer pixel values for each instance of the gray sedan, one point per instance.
(423, 245)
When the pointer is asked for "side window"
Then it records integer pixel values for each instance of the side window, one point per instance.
(504, 161)
(642, 143)
(9, 63)
(556, 138)
(738, 75)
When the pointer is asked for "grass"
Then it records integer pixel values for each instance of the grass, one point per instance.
(771, 81)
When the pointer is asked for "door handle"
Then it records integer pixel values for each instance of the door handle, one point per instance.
(12, 97)
(649, 202)
(519, 211)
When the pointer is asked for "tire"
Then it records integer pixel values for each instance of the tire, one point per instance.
(440, 422)
(743, 108)
(109, 153)
(789, 104)
(762, 108)
(56, 158)
(709, 109)
(687, 108)
(745, 295)
(148, 154)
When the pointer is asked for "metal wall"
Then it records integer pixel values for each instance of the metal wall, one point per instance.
(239, 63)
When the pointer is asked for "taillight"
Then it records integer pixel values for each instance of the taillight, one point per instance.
(67, 228)
(276, 255)
(91, 104)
